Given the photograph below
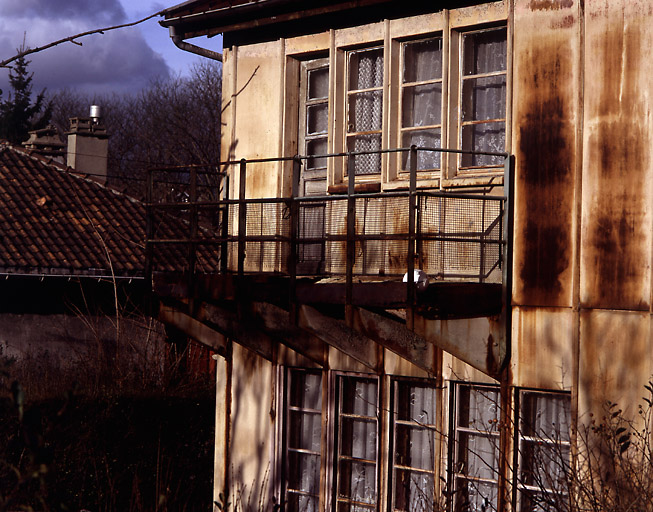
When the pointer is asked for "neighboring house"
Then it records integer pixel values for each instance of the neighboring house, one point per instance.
(72, 270)
(343, 388)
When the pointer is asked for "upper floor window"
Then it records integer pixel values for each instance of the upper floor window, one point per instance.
(365, 107)
(483, 97)
(421, 100)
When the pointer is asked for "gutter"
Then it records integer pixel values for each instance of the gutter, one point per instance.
(188, 47)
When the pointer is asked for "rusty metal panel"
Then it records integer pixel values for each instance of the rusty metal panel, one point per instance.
(546, 58)
(542, 348)
(615, 360)
(617, 173)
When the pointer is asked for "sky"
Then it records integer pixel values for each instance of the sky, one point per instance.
(123, 60)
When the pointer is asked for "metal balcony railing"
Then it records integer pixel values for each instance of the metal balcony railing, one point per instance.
(193, 226)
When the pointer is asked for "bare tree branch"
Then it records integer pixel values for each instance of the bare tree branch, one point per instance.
(71, 39)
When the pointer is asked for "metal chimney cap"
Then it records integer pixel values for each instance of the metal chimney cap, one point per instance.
(96, 112)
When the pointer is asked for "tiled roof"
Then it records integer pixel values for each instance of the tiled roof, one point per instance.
(54, 222)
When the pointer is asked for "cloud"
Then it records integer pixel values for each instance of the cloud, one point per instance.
(101, 12)
(117, 61)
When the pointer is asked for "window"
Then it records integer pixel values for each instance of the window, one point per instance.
(356, 448)
(475, 457)
(356, 444)
(365, 107)
(543, 450)
(444, 89)
(414, 446)
(421, 100)
(483, 96)
(313, 125)
(302, 440)
(313, 141)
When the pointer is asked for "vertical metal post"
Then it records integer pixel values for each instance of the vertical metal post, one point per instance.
(503, 350)
(410, 254)
(224, 230)
(242, 217)
(481, 269)
(351, 236)
(294, 231)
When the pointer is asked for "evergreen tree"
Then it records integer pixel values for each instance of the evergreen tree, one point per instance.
(18, 115)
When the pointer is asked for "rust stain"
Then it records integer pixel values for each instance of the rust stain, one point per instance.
(617, 236)
(566, 22)
(545, 174)
(550, 5)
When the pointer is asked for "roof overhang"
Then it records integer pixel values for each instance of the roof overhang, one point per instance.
(257, 18)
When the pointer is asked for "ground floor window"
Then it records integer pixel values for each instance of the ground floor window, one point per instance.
(474, 451)
(414, 405)
(543, 449)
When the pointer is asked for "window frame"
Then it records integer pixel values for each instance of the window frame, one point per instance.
(520, 439)
(395, 382)
(455, 431)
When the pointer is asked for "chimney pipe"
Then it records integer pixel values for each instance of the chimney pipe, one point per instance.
(88, 145)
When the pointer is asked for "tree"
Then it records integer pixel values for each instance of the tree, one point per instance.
(174, 122)
(18, 115)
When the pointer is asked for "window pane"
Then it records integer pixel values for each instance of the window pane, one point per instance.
(358, 438)
(318, 84)
(422, 139)
(365, 111)
(350, 507)
(483, 137)
(484, 52)
(423, 60)
(357, 481)
(316, 119)
(474, 496)
(365, 164)
(304, 472)
(546, 416)
(414, 447)
(478, 455)
(316, 147)
(421, 105)
(544, 465)
(478, 408)
(484, 98)
(301, 503)
(415, 402)
(531, 501)
(413, 491)
(305, 390)
(366, 69)
(304, 430)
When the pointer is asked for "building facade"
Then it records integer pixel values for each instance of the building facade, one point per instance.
(470, 394)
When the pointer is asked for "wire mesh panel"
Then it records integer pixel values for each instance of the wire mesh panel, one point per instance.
(267, 229)
(459, 237)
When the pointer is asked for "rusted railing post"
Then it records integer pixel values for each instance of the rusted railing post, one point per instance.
(242, 216)
(224, 230)
(410, 256)
(294, 231)
(351, 237)
(481, 269)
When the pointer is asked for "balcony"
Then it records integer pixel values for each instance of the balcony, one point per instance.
(331, 252)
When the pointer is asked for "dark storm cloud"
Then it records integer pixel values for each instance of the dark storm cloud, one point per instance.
(119, 60)
(104, 12)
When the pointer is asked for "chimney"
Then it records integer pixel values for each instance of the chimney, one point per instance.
(88, 145)
(46, 142)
